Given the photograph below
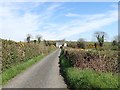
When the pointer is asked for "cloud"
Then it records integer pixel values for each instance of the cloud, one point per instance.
(114, 6)
(16, 26)
(18, 19)
(59, 1)
(72, 15)
(90, 23)
(13, 25)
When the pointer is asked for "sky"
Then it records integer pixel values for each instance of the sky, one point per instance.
(58, 20)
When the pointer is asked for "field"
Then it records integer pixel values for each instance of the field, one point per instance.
(90, 45)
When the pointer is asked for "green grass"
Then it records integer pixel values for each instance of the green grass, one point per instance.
(86, 78)
(15, 70)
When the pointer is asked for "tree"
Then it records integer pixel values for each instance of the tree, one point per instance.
(39, 37)
(81, 43)
(29, 36)
(114, 43)
(35, 41)
(100, 38)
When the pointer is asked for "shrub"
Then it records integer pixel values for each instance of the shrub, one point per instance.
(115, 47)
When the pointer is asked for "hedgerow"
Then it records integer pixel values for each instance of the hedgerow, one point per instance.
(105, 61)
(89, 70)
(16, 52)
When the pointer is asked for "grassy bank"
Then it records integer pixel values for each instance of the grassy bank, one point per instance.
(17, 69)
(86, 78)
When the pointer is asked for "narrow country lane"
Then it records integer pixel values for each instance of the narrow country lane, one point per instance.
(44, 74)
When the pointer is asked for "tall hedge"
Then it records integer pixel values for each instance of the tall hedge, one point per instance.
(105, 61)
(16, 52)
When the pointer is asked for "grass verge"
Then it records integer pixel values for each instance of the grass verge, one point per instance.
(90, 79)
(86, 78)
(15, 70)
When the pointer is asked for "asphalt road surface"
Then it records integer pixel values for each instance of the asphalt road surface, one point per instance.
(44, 74)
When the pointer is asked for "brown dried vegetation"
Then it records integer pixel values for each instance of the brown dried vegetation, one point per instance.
(105, 61)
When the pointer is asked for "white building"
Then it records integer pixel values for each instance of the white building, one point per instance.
(65, 44)
(59, 44)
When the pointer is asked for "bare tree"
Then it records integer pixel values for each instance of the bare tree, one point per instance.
(100, 37)
(81, 43)
(39, 37)
(29, 36)
(35, 41)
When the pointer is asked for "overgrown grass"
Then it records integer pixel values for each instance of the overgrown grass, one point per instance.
(90, 79)
(15, 70)
(86, 78)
